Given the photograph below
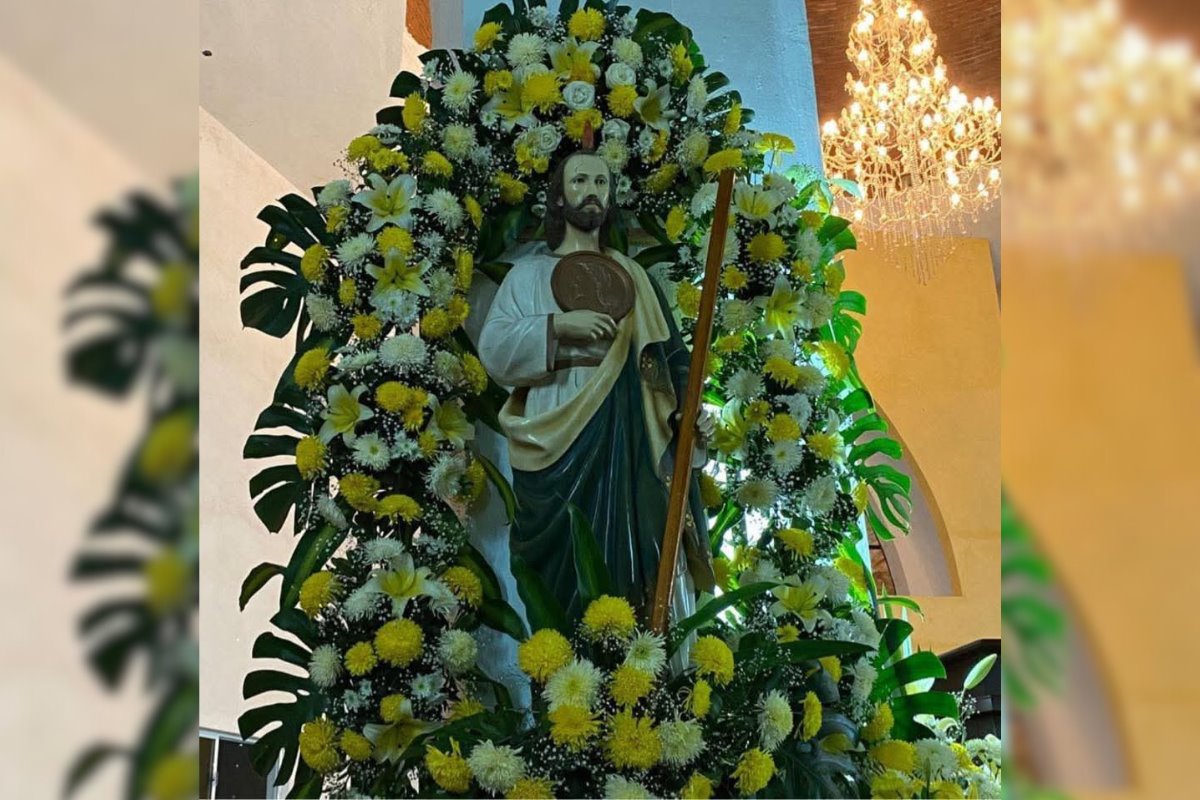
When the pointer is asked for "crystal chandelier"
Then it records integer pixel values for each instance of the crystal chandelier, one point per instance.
(926, 157)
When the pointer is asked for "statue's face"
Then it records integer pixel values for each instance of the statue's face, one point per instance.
(586, 191)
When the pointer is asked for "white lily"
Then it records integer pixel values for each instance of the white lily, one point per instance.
(389, 202)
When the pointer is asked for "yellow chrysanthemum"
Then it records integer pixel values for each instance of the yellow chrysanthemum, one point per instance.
(318, 590)
(394, 238)
(802, 270)
(347, 292)
(733, 119)
(449, 770)
(360, 659)
(722, 160)
(476, 478)
(834, 274)
(464, 268)
(361, 147)
(784, 372)
(436, 164)
(531, 789)
(630, 684)
(467, 707)
(730, 343)
(893, 754)
(835, 358)
(662, 178)
(963, 756)
(701, 699)
(487, 35)
(367, 327)
(710, 492)
(310, 457)
(394, 707)
(586, 24)
(753, 772)
(385, 159)
(880, 725)
(713, 658)
(698, 787)
(541, 91)
(575, 123)
(861, 496)
(767, 247)
(787, 633)
(609, 617)
(414, 112)
(681, 64)
(658, 148)
(474, 374)
(572, 726)
(721, 571)
(621, 99)
(465, 584)
(543, 654)
(733, 278)
(687, 297)
(783, 428)
(436, 324)
(427, 442)
(633, 742)
(398, 505)
(852, 570)
(458, 308)
(891, 785)
(311, 368)
(359, 490)
(336, 218)
(824, 445)
(318, 745)
(812, 717)
(512, 190)
(399, 642)
(676, 222)
(474, 210)
(798, 541)
(499, 80)
(168, 582)
(945, 790)
(356, 746)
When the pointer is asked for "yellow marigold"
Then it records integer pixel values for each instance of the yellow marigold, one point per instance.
(630, 684)
(543, 654)
(356, 746)
(824, 445)
(398, 505)
(784, 372)
(500, 80)
(312, 263)
(311, 368)
(576, 121)
(621, 100)
(798, 541)
(467, 707)
(347, 291)
(662, 178)
(414, 112)
(318, 745)
(318, 590)
(434, 163)
(681, 64)
(572, 726)
(713, 658)
(723, 159)
(892, 754)
(436, 324)
(835, 358)
(852, 570)
(964, 757)
(512, 190)
(676, 222)
(336, 218)
(310, 457)
(753, 772)
(393, 707)
(812, 717)
(399, 642)
(487, 35)
(361, 147)
(880, 725)
(710, 492)
(393, 396)
(465, 584)
(586, 24)
(367, 327)
(698, 787)
(474, 210)
(449, 770)
(766, 247)
(464, 268)
(733, 119)
(394, 238)
(733, 278)
(458, 308)
(360, 659)
(609, 617)
(385, 159)
(687, 296)
(787, 633)
(701, 699)
(428, 443)
(783, 428)
(531, 789)
(756, 412)
(730, 343)
(633, 742)
(359, 490)
(475, 375)
(541, 91)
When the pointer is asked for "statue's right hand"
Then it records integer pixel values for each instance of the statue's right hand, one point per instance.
(584, 326)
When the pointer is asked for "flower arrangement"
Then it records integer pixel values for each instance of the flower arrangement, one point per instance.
(785, 667)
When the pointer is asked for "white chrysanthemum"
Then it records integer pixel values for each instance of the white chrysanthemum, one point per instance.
(777, 348)
(785, 216)
(808, 247)
(372, 452)
(458, 651)
(984, 786)
(645, 141)
(579, 95)
(934, 758)
(745, 384)
(987, 749)
(433, 243)
(387, 133)
(774, 720)
(403, 352)
(526, 49)
(361, 603)
(820, 496)
(541, 17)
(758, 493)
(441, 599)
(441, 286)
(732, 245)
(427, 687)
(405, 448)
(820, 308)
(627, 51)
(786, 456)
(763, 571)
(355, 362)
(354, 252)
(864, 624)
(864, 680)
(576, 684)
(682, 741)
(496, 768)
(834, 583)
(459, 92)
(646, 652)
(329, 510)
(397, 305)
(382, 549)
(325, 666)
(619, 74)
(704, 200)
(697, 96)
(615, 154)
(693, 150)
(444, 476)
(322, 311)
(445, 206)
(800, 407)
(618, 788)
(333, 193)
(458, 141)
(447, 367)
(737, 314)
(810, 380)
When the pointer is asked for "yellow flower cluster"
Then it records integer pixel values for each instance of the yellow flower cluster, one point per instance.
(630, 684)
(409, 402)
(676, 222)
(681, 64)
(893, 754)
(766, 247)
(730, 343)
(783, 371)
(310, 457)
(356, 746)
(394, 238)
(336, 218)
(360, 659)
(753, 772)
(723, 160)
(733, 119)
(573, 727)
(318, 745)
(474, 211)
(399, 642)
(398, 505)
(578, 120)
(662, 178)
(835, 358)
(710, 491)
(609, 617)
(543, 654)
(512, 190)
(449, 770)
(701, 699)
(880, 724)
(385, 159)
(531, 789)
(311, 368)
(541, 91)
(713, 659)
(798, 541)
(633, 742)
(733, 278)
(318, 590)
(474, 374)
(414, 112)
(824, 445)
(783, 428)
(367, 327)
(812, 717)
(168, 583)
(621, 100)
(362, 147)
(359, 490)
(586, 24)
(698, 787)
(487, 36)
(465, 584)
(435, 164)
(687, 297)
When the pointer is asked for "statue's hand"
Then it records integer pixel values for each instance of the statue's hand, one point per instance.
(706, 426)
(583, 326)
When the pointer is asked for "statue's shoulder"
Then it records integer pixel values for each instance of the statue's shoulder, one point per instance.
(530, 257)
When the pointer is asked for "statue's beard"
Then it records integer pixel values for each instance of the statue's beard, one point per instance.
(585, 217)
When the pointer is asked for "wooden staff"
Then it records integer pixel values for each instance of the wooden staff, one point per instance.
(701, 341)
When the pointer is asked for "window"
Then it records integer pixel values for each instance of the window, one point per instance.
(226, 771)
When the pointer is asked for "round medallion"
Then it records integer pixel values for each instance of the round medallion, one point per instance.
(594, 282)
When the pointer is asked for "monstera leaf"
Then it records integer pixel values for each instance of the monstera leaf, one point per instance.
(897, 675)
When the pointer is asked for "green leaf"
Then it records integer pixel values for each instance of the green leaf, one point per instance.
(261, 445)
(811, 649)
(473, 560)
(500, 616)
(852, 301)
(919, 666)
(261, 681)
(905, 707)
(731, 513)
(96, 565)
(268, 645)
(503, 486)
(849, 187)
(173, 723)
(712, 608)
(88, 762)
(590, 569)
(903, 602)
(405, 84)
(541, 608)
(255, 580)
(831, 228)
(858, 400)
(979, 672)
(879, 445)
(314, 549)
